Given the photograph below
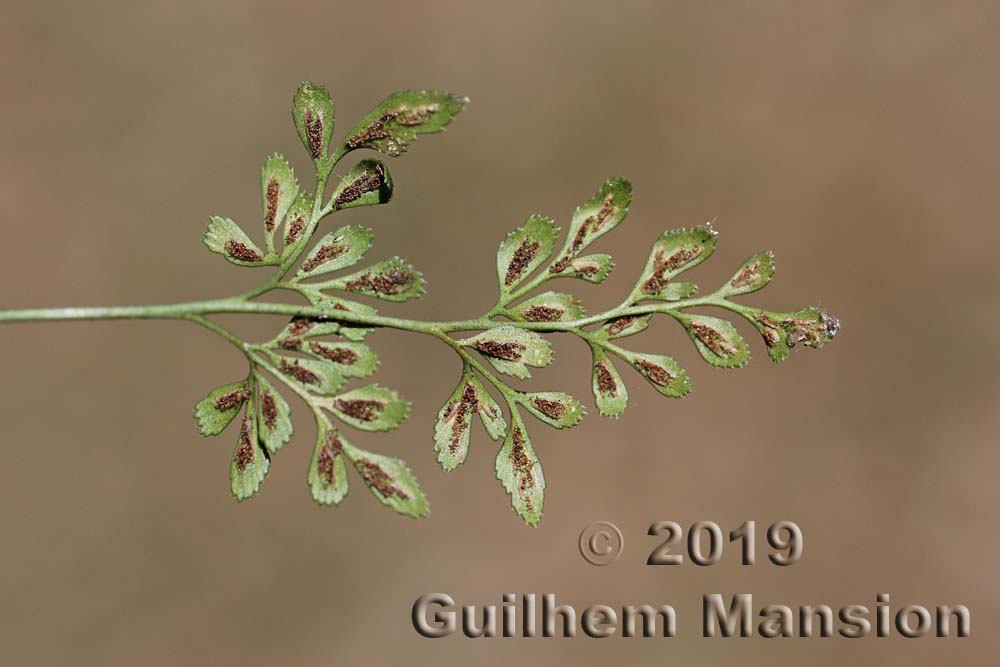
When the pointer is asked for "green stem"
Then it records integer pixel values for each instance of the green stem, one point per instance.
(198, 309)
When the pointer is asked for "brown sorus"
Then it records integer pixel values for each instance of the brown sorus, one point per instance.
(363, 184)
(269, 409)
(591, 225)
(383, 283)
(620, 324)
(326, 460)
(522, 466)
(364, 409)
(549, 408)
(273, 189)
(375, 131)
(290, 343)
(712, 339)
(542, 313)
(658, 374)
(507, 350)
(299, 326)
(314, 133)
(232, 399)
(661, 265)
(242, 251)
(461, 414)
(300, 373)
(377, 478)
(605, 380)
(245, 450)
(295, 228)
(324, 254)
(746, 276)
(520, 260)
(338, 355)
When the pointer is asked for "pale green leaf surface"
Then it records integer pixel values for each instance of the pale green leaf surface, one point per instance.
(548, 307)
(390, 480)
(754, 274)
(392, 279)
(661, 371)
(370, 408)
(217, 410)
(225, 237)
(274, 420)
(523, 251)
(250, 463)
(327, 475)
(367, 184)
(317, 376)
(673, 253)
(395, 123)
(337, 250)
(279, 188)
(511, 350)
(520, 473)
(717, 340)
(602, 213)
(592, 268)
(610, 392)
(556, 408)
(313, 114)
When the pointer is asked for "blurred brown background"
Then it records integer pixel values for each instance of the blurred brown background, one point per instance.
(859, 141)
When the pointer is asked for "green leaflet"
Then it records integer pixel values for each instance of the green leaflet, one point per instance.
(337, 250)
(351, 359)
(523, 251)
(370, 408)
(217, 410)
(491, 415)
(316, 376)
(390, 480)
(602, 213)
(367, 184)
(454, 420)
(782, 332)
(327, 476)
(610, 393)
(296, 224)
(678, 291)
(250, 462)
(223, 236)
(665, 374)
(511, 350)
(755, 274)
(672, 254)
(556, 408)
(548, 307)
(592, 268)
(300, 328)
(391, 279)
(717, 340)
(520, 472)
(396, 122)
(274, 420)
(622, 327)
(312, 112)
(279, 188)
(333, 304)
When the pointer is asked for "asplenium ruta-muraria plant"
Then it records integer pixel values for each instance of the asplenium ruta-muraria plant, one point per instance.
(323, 348)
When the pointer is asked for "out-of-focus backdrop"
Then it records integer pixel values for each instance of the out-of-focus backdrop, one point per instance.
(859, 141)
